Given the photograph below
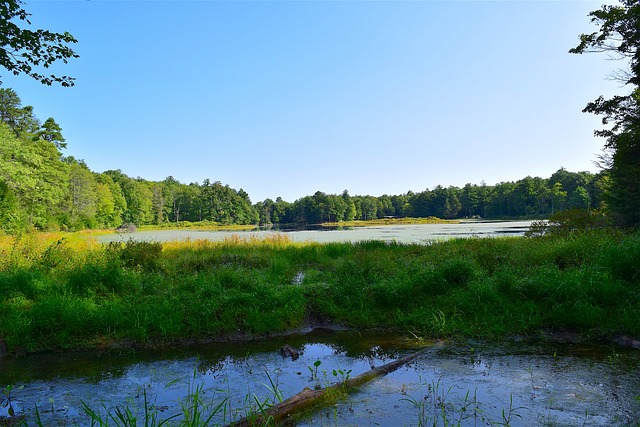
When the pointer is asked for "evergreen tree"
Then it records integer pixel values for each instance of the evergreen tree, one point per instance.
(51, 131)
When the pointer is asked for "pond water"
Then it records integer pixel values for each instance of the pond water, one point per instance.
(410, 233)
(472, 383)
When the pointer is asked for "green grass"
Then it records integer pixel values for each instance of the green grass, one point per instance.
(200, 225)
(390, 221)
(63, 295)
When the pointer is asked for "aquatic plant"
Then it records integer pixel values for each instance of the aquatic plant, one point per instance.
(434, 407)
(5, 399)
(195, 411)
(341, 375)
(437, 406)
(314, 370)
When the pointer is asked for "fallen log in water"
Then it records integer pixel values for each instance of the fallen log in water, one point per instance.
(308, 398)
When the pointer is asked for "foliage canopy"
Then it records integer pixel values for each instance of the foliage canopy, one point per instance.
(24, 51)
(619, 36)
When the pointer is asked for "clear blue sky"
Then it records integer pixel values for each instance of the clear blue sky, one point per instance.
(288, 98)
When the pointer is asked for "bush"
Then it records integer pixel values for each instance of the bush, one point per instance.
(566, 222)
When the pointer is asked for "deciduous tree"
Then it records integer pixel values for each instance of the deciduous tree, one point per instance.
(25, 51)
(618, 35)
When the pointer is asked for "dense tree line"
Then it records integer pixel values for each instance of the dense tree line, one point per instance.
(41, 188)
(526, 198)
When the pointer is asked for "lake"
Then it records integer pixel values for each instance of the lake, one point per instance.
(409, 233)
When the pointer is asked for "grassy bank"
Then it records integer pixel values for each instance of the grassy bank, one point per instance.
(391, 221)
(200, 225)
(70, 293)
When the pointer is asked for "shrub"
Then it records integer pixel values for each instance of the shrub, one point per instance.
(569, 221)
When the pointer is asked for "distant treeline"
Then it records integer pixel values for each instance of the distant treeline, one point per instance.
(528, 197)
(40, 188)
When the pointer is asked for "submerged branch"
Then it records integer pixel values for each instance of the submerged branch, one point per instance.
(308, 398)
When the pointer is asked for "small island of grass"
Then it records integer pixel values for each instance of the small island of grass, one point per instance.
(198, 225)
(390, 221)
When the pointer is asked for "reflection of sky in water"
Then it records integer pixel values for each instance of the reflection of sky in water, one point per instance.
(411, 233)
(541, 387)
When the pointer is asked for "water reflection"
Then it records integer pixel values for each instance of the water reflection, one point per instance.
(409, 233)
(560, 384)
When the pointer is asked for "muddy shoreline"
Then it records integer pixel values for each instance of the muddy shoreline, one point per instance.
(551, 336)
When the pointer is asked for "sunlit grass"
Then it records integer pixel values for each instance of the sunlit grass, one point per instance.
(200, 225)
(64, 290)
(390, 221)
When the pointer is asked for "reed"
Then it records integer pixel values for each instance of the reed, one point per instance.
(390, 221)
(61, 291)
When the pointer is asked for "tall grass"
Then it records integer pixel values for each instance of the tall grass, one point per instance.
(59, 291)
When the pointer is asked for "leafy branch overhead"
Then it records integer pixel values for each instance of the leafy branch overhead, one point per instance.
(24, 51)
(618, 35)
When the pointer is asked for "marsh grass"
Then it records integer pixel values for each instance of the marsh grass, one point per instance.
(196, 411)
(390, 221)
(64, 291)
(437, 405)
(434, 406)
(200, 225)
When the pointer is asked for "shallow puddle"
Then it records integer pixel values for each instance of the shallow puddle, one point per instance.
(472, 384)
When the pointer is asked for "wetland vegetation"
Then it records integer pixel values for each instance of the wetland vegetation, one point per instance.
(389, 221)
(62, 292)
(66, 293)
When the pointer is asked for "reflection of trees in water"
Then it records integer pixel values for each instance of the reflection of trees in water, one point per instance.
(93, 367)
(98, 367)
(359, 350)
(216, 364)
(211, 366)
(347, 345)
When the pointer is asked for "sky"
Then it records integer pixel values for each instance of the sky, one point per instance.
(286, 98)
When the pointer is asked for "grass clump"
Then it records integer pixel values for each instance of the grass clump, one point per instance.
(59, 292)
(390, 221)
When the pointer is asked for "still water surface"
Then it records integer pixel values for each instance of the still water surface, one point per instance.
(411, 233)
(471, 383)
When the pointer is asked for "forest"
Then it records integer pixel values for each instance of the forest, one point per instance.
(42, 189)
